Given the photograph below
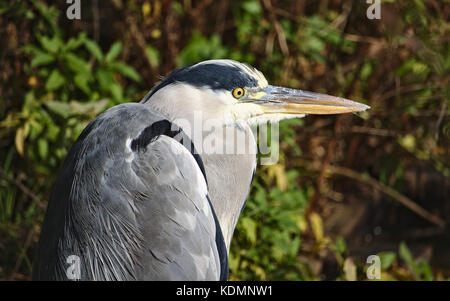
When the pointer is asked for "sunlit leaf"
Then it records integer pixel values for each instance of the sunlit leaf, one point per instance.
(349, 269)
(41, 58)
(387, 259)
(406, 255)
(61, 108)
(105, 78)
(116, 91)
(94, 49)
(152, 55)
(113, 52)
(51, 45)
(126, 70)
(202, 48)
(20, 140)
(42, 148)
(89, 108)
(340, 245)
(81, 80)
(55, 80)
(74, 43)
(250, 226)
(252, 7)
(408, 142)
(77, 64)
(317, 226)
(146, 8)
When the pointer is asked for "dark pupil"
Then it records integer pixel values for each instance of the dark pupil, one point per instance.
(239, 92)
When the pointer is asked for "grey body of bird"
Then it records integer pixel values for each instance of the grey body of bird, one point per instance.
(138, 198)
(125, 211)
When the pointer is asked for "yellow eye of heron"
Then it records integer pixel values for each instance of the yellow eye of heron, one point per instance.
(238, 92)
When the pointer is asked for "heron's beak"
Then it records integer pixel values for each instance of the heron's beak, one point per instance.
(280, 100)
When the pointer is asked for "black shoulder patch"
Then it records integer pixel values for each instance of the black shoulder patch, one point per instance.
(167, 128)
(212, 75)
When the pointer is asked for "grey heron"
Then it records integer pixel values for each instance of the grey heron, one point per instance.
(138, 198)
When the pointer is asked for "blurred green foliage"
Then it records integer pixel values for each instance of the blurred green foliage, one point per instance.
(57, 77)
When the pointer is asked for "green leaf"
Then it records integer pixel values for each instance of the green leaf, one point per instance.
(178, 8)
(425, 270)
(31, 49)
(20, 140)
(233, 261)
(39, 57)
(72, 44)
(387, 259)
(250, 226)
(406, 67)
(116, 91)
(152, 55)
(105, 78)
(366, 70)
(52, 45)
(406, 255)
(89, 108)
(201, 48)
(42, 58)
(252, 7)
(4, 9)
(317, 226)
(340, 246)
(408, 141)
(42, 145)
(113, 52)
(55, 80)
(295, 246)
(126, 70)
(52, 131)
(60, 108)
(49, 13)
(77, 64)
(94, 49)
(81, 81)
(283, 241)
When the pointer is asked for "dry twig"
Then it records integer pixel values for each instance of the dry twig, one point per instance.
(278, 28)
(23, 188)
(24, 252)
(343, 171)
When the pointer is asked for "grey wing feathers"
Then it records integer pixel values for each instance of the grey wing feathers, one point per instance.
(179, 231)
(129, 214)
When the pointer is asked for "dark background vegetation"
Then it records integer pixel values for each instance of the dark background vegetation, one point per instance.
(345, 187)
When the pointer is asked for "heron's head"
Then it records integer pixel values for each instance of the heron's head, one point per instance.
(233, 91)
